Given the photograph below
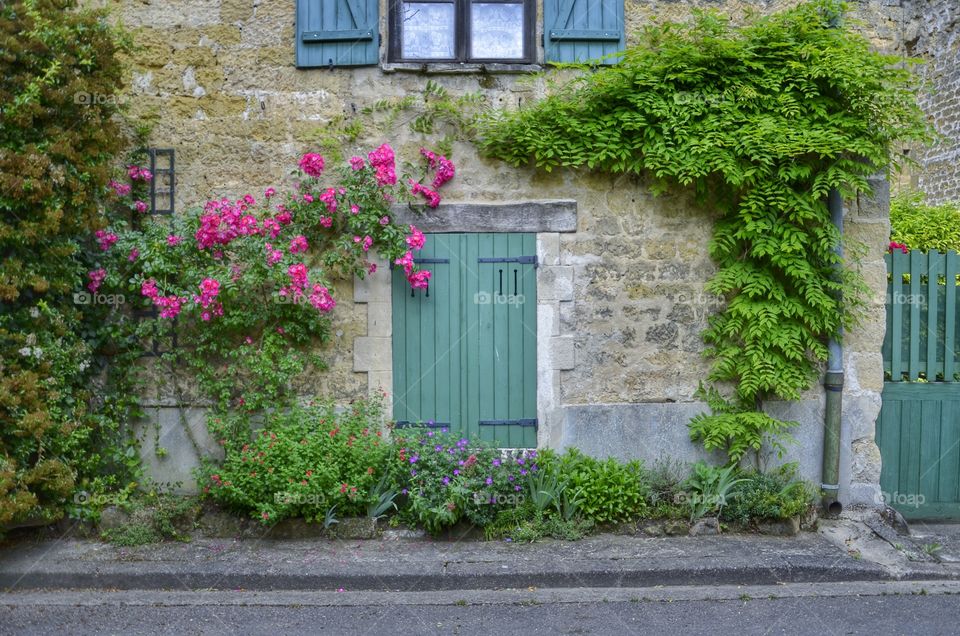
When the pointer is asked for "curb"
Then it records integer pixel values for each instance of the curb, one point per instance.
(751, 574)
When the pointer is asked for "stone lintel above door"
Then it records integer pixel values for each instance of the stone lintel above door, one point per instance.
(558, 215)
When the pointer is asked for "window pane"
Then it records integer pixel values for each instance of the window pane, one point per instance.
(427, 30)
(496, 31)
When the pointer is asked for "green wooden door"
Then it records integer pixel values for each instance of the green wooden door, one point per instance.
(918, 431)
(465, 349)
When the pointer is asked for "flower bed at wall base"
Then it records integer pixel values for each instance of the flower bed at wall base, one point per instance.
(321, 464)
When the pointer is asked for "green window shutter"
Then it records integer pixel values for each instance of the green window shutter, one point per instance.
(582, 30)
(337, 33)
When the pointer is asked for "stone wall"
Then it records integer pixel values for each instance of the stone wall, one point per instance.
(217, 80)
(933, 34)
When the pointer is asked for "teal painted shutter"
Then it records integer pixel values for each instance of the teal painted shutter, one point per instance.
(465, 356)
(582, 30)
(337, 32)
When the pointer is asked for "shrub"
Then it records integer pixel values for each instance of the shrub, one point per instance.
(919, 226)
(605, 491)
(770, 496)
(61, 426)
(447, 478)
(304, 462)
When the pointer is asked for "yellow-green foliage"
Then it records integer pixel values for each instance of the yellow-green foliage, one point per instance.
(924, 227)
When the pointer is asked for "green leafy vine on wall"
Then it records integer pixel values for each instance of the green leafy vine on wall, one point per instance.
(762, 121)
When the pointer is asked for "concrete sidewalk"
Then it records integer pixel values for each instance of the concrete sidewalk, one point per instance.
(423, 564)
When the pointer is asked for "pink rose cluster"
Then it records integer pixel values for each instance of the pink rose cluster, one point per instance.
(319, 297)
(223, 220)
(419, 279)
(105, 239)
(312, 164)
(382, 161)
(170, 306)
(96, 279)
(137, 173)
(209, 289)
(443, 168)
(122, 189)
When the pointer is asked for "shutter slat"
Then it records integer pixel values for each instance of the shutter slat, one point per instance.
(337, 33)
(582, 30)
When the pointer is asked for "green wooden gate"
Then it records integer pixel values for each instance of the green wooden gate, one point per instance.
(465, 349)
(919, 427)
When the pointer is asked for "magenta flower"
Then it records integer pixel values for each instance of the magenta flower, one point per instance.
(298, 244)
(321, 299)
(269, 192)
(416, 240)
(312, 164)
(382, 161)
(357, 163)
(134, 254)
(96, 279)
(141, 206)
(173, 240)
(122, 189)
(419, 279)
(105, 239)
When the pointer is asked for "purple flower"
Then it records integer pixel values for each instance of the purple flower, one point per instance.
(413, 473)
(532, 454)
(496, 462)
(446, 481)
(430, 433)
(489, 480)
(404, 491)
(516, 487)
(523, 472)
(438, 448)
(456, 472)
(508, 539)
(520, 460)
(414, 458)
(461, 462)
(444, 430)
(510, 477)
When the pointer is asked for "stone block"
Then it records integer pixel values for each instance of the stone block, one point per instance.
(171, 446)
(524, 216)
(373, 287)
(548, 248)
(379, 319)
(563, 355)
(877, 204)
(555, 282)
(372, 354)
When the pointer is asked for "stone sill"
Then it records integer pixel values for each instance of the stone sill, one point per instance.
(450, 68)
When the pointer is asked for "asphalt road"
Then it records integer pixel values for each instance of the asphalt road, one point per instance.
(823, 610)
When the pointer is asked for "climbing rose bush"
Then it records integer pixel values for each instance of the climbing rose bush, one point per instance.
(251, 281)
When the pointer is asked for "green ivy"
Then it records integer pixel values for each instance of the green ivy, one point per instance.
(762, 121)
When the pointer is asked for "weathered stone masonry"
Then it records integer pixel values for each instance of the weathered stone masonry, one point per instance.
(621, 299)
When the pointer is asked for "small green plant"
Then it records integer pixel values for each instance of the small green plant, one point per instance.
(381, 499)
(769, 496)
(330, 517)
(931, 549)
(709, 489)
(603, 491)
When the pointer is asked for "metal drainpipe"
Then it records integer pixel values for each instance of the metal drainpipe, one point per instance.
(833, 383)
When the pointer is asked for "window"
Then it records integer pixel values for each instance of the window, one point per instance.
(163, 183)
(495, 31)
